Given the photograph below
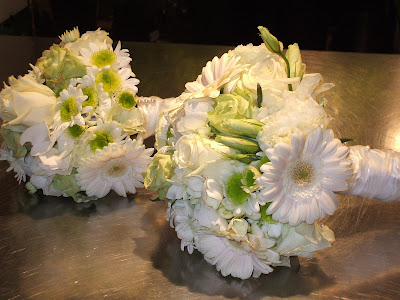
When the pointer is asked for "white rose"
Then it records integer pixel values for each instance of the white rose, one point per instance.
(264, 68)
(304, 239)
(195, 118)
(193, 151)
(26, 102)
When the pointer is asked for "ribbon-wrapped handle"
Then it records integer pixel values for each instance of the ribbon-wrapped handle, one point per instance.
(376, 174)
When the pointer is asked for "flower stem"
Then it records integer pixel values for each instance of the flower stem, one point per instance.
(288, 67)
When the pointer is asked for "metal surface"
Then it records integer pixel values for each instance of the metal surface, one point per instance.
(123, 247)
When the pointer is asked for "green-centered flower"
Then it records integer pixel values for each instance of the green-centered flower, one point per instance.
(102, 139)
(127, 99)
(111, 80)
(76, 130)
(69, 109)
(92, 97)
(102, 58)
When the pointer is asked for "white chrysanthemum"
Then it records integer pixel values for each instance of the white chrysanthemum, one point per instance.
(115, 81)
(96, 37)
(301, 177)
(18, 165)
(71, 110)
(104, 55)
(236, 252)
(70, 36)
(214, 75)
(180, 216)
(96, 97)
(117, 167)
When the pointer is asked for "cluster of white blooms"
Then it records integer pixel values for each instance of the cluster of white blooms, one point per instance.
(74, 124)
(246, 161)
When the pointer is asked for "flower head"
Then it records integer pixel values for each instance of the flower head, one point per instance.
(301, 177)
(117, 167)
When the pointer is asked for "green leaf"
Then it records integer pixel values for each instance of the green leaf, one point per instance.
(344, 140)
(12, 139)
(259, 95)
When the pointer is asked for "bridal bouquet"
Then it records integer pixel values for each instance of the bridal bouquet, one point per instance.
(248, 163)
(74, 124)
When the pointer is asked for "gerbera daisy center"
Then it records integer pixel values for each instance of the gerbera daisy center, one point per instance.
(303, 173)
(116, 169)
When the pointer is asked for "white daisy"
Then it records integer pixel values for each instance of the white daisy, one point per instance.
(71, 109)
(70, 36)
(117, 167)
(236, 252)
(104, 55)
(301, 177)
(18, 165)
(180, 216)
(115, 81)
(214, 75)
(96, 97)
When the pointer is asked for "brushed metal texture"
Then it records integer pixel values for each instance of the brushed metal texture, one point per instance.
(121, 248)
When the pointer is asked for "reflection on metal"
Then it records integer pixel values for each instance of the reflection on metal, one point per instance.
(123, 247)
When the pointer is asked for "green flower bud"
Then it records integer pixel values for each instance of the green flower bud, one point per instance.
(270, 41)
(59, 65)
(69, 185)
(237, 127)
(12, 139)
(294, 57)
(241, 144)
(30, 187)
(159, 170)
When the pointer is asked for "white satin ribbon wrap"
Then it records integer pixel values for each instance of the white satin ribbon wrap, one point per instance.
(151, 108)
(376, 174)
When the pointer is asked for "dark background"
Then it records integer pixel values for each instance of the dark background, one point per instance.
(342, 25)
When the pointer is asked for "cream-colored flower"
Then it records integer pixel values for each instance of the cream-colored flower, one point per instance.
(95, 37)
(26, 102)
(70, 36)
(214, 76)
(117, 167)
(301, 178)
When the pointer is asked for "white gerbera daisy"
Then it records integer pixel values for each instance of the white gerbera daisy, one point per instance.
(301, 177)
(180, 216)
(114, 81)
(104, 55)
(117, 167)
(236, 252)
(214, 75)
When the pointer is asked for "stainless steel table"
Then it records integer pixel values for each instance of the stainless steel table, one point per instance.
(123, 247)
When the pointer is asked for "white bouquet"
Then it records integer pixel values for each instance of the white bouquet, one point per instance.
(249, 166)
(74, 124)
